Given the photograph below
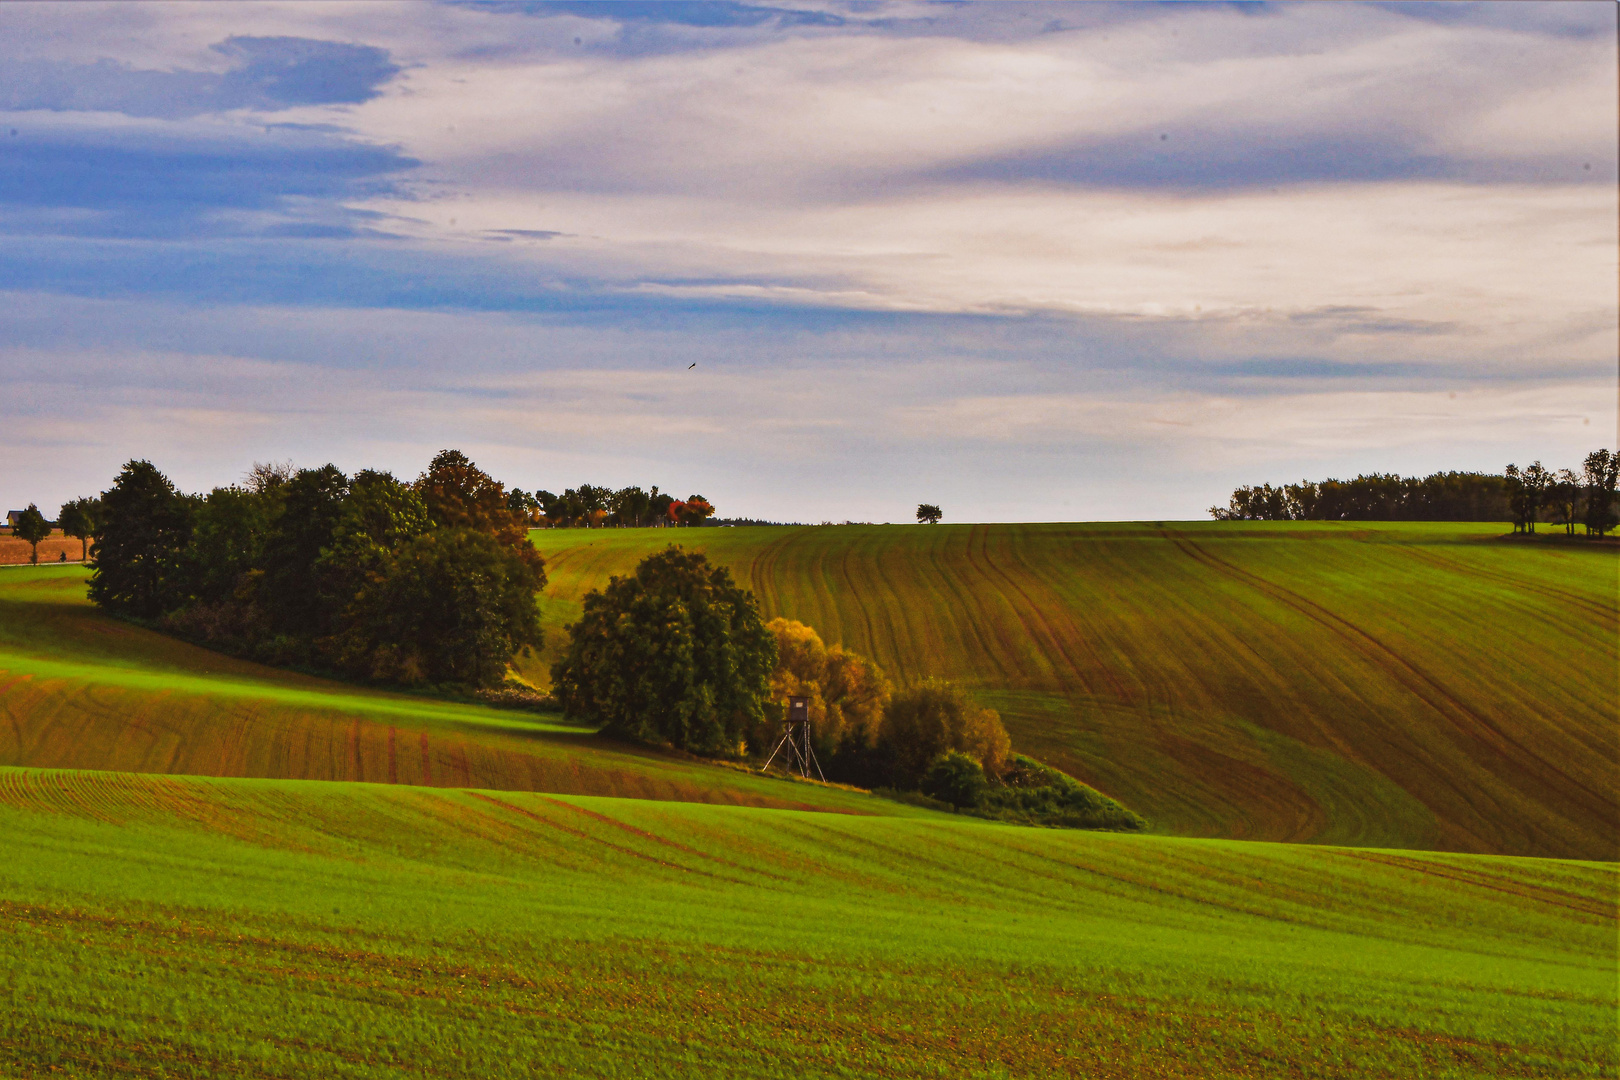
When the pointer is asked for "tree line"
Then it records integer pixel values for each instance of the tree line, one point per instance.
(589, 506)
(1524, 496)
(419, 583)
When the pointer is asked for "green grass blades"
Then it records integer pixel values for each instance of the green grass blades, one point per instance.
(1387, 684)
(78, 689)
(182, 927)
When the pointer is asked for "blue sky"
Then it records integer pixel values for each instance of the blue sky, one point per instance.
(1029, 262)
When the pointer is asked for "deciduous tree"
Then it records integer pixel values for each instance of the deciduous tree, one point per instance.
(934, 717)
(144, 529)
(1601, 470)
(675, 653)
(32, 527)
(929, 513)
(78, 520)
(450, 606)
(847, 694)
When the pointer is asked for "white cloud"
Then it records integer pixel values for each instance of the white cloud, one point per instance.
(1431, 231)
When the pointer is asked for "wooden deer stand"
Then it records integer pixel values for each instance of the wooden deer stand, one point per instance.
(796, 738)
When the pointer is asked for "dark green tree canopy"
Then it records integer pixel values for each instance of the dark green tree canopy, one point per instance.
(78, 520)
(956, 778)
(675, 653)
(309, 507)
(449, 606)
(311, 567)
(139, 543)
(928, 513)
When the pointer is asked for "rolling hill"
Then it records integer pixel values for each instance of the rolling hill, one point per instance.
(1407, 685)
(185, 927)
(81, 690)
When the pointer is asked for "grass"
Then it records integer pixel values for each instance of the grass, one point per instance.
(81, 690)
(185, 927)
(1404, 685)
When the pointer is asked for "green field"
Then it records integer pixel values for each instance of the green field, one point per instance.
(1428, 686)
(81, 690)
(193, 884)
(171, 926)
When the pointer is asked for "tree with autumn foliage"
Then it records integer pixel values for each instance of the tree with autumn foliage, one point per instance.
(692, 510)
(460, 495)
(847, 693)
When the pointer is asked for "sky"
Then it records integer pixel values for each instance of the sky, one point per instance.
(1028, 262)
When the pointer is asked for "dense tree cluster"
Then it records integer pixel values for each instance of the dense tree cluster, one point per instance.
(592, 507)
(430, 582)
(1523, 496)
(676, 654)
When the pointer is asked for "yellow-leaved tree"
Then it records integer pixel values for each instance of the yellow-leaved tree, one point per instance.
(847, 692)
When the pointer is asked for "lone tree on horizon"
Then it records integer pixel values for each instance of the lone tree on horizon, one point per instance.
(32, 527)
(929, 513)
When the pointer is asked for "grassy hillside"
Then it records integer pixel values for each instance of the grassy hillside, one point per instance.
(1426, 686)
(81, 690)
(188, 927)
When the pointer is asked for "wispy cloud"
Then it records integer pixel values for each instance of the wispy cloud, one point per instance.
(978, 246)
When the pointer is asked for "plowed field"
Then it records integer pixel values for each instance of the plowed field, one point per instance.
(202, 928)
(1426, 686)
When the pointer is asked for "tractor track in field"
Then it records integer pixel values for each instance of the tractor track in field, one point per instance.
(864, 609)
(1417, 681)
(1575, 600)
(1542, 894)
(1036, 620)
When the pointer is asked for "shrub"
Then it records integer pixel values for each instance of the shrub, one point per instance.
(676, 653)
(956, 778)
(1035, 794)
(931, 719)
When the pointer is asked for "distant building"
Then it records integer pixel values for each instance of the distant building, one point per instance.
(11, 518)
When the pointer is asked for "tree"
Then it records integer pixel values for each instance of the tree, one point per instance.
(1534, 480)
(847, 695)
(933, 718)
(78, 520)
(32, 527)
(378, 515)
(691, 511)
(1564, 497)
(266, 476)
(140, 540)
(228, 530)
(1601, 469)
(311, 505)
(450, 606)
(675, 653)
(524, 505)
(928, 512)
(460, 495)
